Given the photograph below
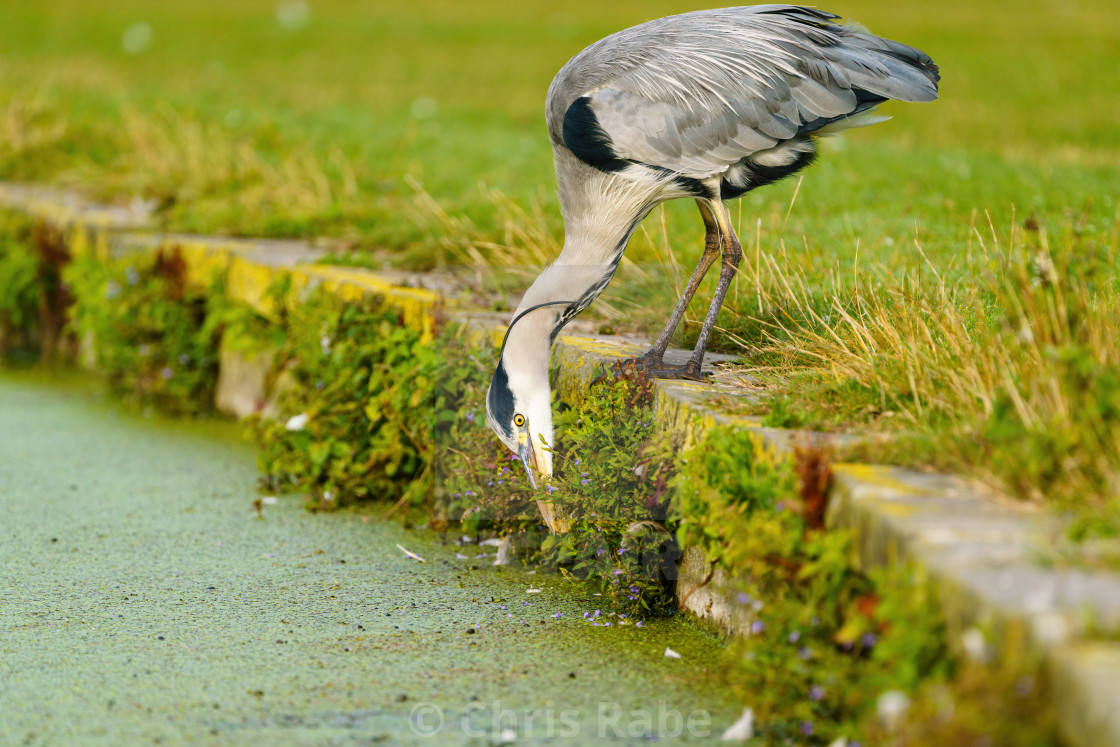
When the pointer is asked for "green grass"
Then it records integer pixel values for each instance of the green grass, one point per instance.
(238, 125)
(415, 136)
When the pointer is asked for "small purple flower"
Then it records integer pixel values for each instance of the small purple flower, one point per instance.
(639, 624)
(559, 614)
(816, 692)
(622, 616)
(501, 606)
(551, 489)
(794, 637)
(617, 571)
(757, 627)
(577, 461)
(470, 492)
(632, 597)
(470, 417)
(584, 482)
(166, 373)
(806, 727)
(524, 604)
(743, 597)
(596, 613)
(599, 552)
(586, 614)
(869, 640)
(634, 589)
(584, 474)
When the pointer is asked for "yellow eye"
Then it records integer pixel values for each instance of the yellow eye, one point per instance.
(519, 420)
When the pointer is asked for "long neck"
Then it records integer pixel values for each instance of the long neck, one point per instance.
(601, 211)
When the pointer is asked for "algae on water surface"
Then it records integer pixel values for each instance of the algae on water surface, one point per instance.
(143, 600)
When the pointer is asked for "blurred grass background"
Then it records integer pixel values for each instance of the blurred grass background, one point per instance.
(289, 118)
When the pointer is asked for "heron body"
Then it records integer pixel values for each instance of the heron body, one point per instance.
(706, 105)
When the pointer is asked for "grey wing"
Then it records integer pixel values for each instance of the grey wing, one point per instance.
(695, 94)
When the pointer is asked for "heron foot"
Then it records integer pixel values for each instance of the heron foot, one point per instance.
(649, 366)
(690, 371)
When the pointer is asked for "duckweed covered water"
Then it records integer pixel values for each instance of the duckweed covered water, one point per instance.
(141, 600)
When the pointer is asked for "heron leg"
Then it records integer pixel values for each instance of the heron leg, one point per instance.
(732, 256)
(651, 361)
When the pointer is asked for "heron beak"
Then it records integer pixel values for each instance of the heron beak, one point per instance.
(531, 455)
(529, 459)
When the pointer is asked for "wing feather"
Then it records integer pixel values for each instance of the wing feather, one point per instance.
(698, 92)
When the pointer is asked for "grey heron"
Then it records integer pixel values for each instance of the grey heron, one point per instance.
(705, 105)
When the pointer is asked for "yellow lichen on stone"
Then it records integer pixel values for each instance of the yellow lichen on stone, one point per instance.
(877, 475)
(417, 306)
(77, 241)
(204, 261)
(249, 283)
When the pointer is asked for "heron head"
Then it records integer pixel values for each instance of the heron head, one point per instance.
(519, 410)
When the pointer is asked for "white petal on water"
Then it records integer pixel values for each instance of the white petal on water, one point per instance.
(741, 730)
(411, 554)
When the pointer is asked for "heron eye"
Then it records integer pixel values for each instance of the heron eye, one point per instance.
(519, 420)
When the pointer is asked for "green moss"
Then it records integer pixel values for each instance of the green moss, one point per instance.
(353, 411)
(152, 334)
(19, 288)
(826, 642)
